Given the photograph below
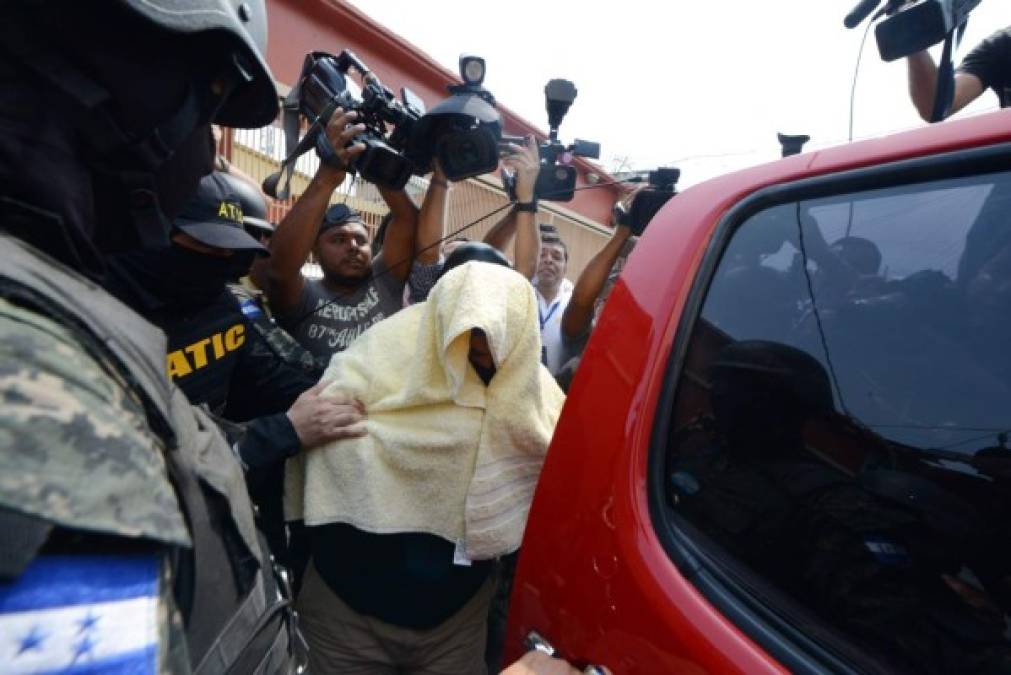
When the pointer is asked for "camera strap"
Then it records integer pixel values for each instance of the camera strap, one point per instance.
(945, 91)
(291, 123)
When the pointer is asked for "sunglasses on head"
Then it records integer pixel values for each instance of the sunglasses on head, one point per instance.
(339, 213)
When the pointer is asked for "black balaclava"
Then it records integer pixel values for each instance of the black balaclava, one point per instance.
(174, 276)
(57, 191)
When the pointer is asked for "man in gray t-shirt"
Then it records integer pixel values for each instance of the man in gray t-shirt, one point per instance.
(326, 321)
(326, 315)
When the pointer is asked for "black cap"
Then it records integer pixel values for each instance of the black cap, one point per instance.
(214, 217)
(254, 206)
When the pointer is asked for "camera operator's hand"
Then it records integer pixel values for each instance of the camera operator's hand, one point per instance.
(526, 164)
(438, 174)
(340, 130)
(320, 418)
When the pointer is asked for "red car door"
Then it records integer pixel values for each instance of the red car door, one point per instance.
(609, 572)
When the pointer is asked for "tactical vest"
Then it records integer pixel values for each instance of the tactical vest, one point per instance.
(237, 619)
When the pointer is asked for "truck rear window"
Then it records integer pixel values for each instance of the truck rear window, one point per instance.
(841, 423)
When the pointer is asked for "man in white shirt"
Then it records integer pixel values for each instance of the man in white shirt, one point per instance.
(553, 293)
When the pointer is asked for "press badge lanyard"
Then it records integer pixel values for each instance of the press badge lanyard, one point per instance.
(551, 312)
(544, 321)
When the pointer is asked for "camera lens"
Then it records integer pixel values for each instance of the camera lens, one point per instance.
(468, 153)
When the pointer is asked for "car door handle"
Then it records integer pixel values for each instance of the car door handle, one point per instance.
(536, 641)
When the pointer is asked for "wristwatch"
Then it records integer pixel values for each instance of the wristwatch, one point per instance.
(527, 207)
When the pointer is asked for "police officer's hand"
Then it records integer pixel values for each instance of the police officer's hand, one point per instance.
(340, 130)
(539, 663)
(526, 164)
(320, 418)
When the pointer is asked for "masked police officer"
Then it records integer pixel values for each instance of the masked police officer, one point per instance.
(127, 536)
(214, 353)
(218, 357)
(249, 291)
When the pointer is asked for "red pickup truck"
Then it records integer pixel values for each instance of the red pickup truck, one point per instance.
(785, 447)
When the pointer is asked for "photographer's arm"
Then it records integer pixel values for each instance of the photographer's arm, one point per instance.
(579, 312)
(923, 85)
(432, 218)
(398, 246)
(296, 233)
(502, 231)
(526, 164)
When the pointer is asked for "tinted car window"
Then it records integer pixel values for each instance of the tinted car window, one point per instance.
(840, 425)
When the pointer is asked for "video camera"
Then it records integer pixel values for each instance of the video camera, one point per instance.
(912, 25)
(647, 201)
(324, 89)
(462, 131)
(915, 25)
(556, 180)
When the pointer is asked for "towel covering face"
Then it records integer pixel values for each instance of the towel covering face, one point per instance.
(444, 453)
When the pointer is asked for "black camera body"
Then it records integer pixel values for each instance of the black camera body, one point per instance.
(400, 139)
(324, 89)
(556, 180)
(911, 25)
(648, 201)
(463, 131)
(922, 24)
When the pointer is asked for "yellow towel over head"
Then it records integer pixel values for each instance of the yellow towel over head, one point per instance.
(445, 454)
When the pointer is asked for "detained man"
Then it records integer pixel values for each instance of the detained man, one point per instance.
(407, 521)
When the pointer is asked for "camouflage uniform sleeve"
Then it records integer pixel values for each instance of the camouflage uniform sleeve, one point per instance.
(76, 446)
(275, 338)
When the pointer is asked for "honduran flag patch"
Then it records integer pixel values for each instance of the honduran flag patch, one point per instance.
(251, 308)
(81, 614)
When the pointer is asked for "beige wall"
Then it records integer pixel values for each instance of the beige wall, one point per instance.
(469, 201)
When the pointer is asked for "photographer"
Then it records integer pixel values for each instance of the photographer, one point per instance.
(988, 66)
(553, 291)
(580, 312)
(356, 291)
(524, 162)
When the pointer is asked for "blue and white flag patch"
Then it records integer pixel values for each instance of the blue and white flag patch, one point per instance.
(251, 308)
(81, 615)
(887, 551)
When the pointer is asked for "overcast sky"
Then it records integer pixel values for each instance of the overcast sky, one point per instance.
(703, 85)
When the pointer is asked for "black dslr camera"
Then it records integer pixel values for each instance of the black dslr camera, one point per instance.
(324, 89)
(556, 180)
(648, 201)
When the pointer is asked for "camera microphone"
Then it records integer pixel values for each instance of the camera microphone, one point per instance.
(860, 12)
